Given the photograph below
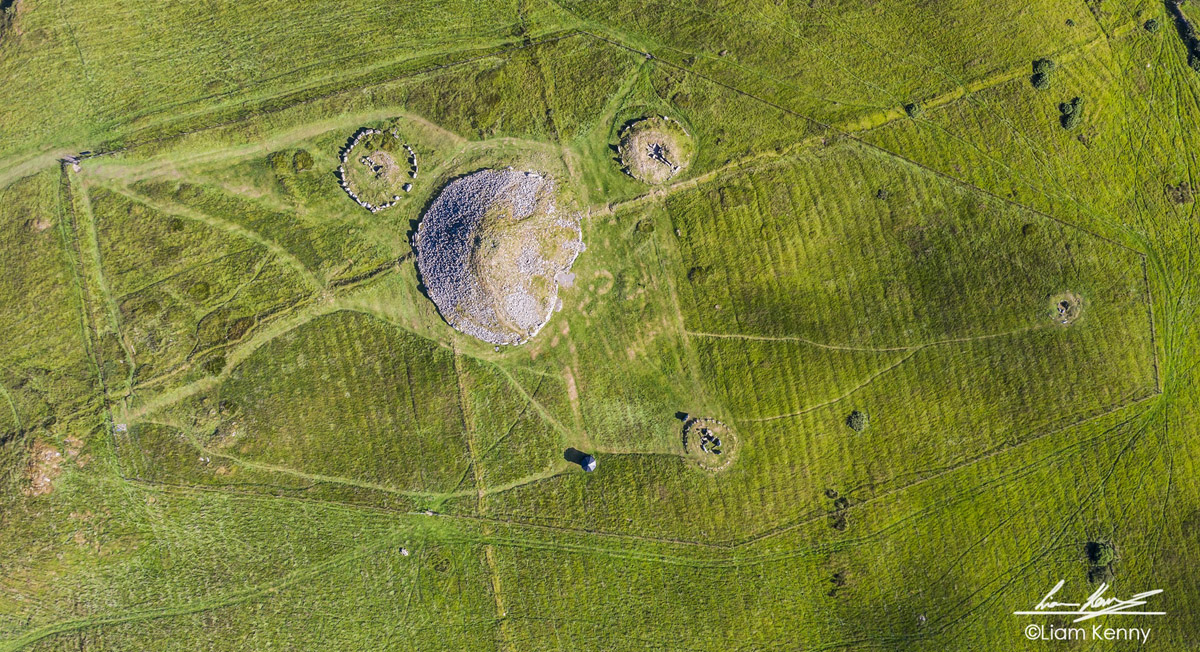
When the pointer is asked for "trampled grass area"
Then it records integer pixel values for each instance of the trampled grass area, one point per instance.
(255, 431)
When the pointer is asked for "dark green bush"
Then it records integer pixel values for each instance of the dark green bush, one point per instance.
(1100, 554)
(302, 161)
(199, 291)
(914, 110)
(1194, 61)
(214, 366)
(699, 274)
(1072, 113)
(1040, 81)
(857, 421)
(1044, 66)
(175, 224)
(280, 163)
(1151, 26)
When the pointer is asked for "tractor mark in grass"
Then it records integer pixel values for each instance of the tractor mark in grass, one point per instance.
(93, 266)
(971, 461)
(535, 403)
(843, 397)
(253, 594)
(868, 349)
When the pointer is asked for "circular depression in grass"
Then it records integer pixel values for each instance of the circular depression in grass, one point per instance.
(655, 149)
(491, 249)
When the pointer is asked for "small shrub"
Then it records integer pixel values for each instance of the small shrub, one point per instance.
(699, 274)
(645, 226)
(1100, 554)
(1040, 81)
(175, 224)
(214, 366)
(914, 110)
(280, 163)
(1151, 26)
(881, 195)
(199, 291)
(857, 421)
(1194, 61)
(1072, 113)
(302, 161)
(239, 328)
(1044, 66)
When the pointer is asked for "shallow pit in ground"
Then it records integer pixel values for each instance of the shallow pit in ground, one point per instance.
(492, 250)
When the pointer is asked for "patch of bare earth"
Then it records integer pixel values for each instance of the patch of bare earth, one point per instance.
(45, 465)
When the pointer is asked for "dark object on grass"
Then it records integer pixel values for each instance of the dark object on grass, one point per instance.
(302, 161)
(1151, 26)
(1042, 70)
(914, 110)
(1072, 113)
(1100, 554)
(881, 195)
(585, 461)
(857, 421)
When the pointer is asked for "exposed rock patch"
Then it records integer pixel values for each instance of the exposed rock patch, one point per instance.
(490, 250)
(45, 465)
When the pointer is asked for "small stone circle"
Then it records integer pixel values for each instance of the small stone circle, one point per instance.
(376, 168)
(655, 149)
(709, 444)
(492, 249)
(1066, 307)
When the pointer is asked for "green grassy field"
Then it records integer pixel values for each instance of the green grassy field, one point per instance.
(232, 419)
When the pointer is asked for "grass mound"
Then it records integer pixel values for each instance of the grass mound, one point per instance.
(655, 149)
(490, 250)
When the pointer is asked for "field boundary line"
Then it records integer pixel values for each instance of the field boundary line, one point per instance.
(865, 143)
(233, 228)
(947, 470)
(92, 265)
(554, 37)
(1149, 297)
(199, 605)
(867, 349)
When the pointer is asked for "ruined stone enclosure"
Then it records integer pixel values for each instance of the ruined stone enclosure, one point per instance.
(655, 149)
(377, 168)
(490, 250)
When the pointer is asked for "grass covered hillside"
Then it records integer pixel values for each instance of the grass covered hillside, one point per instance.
(877, 318)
